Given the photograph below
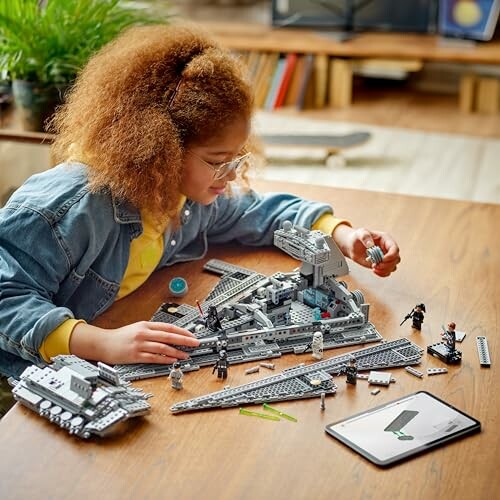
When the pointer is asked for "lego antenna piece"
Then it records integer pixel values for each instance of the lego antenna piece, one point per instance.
(250, 413)
(280, 413)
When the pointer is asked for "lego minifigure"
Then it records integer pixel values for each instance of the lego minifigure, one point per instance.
(351, 370)
(212, 320)
(317, 345)
(222, 364)
(417, 317)
(449, 336)
(176, 376)
(446, 350)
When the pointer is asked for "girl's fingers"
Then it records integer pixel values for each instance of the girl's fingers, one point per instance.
(148, 357)
(168, 328)
(158, 348)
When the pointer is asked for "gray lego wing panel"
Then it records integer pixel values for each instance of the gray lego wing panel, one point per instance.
(306, 381)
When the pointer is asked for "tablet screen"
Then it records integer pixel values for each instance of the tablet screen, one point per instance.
(402, 428)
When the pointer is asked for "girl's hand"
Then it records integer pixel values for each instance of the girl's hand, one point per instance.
(142, 342)
(354, 242)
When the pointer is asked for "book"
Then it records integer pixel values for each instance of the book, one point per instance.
(292, 92)
(290, 62)
(275, 83)
(305, 82)
(320, 80)
(264, 77)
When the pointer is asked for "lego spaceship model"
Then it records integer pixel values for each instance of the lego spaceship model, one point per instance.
(262, 317)
(84, 399)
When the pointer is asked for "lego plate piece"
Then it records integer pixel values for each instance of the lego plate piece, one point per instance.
(414, 371)
(459, 336)
(436, 371)
(483, 351)
(379, 378)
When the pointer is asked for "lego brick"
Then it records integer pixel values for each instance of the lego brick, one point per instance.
(379, 378)
(414, 371)
(436, 371)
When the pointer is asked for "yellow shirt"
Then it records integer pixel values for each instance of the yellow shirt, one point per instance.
(145, 254)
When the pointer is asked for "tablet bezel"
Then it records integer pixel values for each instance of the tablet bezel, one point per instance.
(475, 427)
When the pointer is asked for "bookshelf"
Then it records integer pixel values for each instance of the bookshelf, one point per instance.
(310, 70)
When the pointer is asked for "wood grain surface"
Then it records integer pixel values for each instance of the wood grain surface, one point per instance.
(451, 261)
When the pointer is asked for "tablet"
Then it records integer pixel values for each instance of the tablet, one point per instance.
(402, 428)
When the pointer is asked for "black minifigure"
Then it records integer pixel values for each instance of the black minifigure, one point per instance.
(417, 316)
(351, 370)
(212, 320)
(222, 364)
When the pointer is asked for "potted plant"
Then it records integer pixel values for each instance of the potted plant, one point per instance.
(43, 45)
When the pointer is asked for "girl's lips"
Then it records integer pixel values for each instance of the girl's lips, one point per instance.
(217, 190)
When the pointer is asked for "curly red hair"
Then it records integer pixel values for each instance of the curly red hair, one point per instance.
(124, 119)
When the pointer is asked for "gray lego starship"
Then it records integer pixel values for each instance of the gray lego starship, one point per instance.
(264, 317)
(77, 396)
(309, 381)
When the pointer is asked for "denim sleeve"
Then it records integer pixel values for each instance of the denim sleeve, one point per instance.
(32, 264)
(252, 218)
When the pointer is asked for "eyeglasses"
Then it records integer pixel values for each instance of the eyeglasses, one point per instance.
(221, 169)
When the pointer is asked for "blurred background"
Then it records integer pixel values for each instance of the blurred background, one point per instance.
(386, 95)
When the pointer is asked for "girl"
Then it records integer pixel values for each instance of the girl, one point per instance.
(152, 135)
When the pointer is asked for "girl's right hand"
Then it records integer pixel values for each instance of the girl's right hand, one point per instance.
(141, 342)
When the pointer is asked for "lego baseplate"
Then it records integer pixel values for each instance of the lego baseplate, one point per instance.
(77, 396)
(309, 381)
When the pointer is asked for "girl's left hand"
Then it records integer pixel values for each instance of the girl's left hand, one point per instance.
(354, 242)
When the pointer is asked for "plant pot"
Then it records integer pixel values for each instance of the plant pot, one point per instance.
(36, 103)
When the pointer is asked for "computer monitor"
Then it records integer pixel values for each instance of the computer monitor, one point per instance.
(357, 15)
(471, 19)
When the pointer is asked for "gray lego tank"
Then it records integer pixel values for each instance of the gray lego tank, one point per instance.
(82, 398)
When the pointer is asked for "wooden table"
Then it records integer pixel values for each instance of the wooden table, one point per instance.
(451, 261)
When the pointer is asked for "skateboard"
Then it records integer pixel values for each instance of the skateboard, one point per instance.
(331, 143)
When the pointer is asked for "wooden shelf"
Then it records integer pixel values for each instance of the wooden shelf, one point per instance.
(335, 62)
(363, 45)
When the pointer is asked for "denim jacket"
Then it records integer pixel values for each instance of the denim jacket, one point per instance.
(64, 250)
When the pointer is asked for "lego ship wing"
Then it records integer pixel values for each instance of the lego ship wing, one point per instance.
(306, 381)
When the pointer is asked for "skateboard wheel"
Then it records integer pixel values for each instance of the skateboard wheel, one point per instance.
(336, 161)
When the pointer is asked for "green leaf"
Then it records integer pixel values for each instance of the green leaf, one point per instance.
(51, 44)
